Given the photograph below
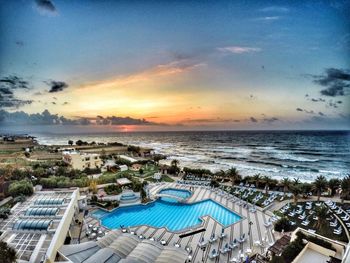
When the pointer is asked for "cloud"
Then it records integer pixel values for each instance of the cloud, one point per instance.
(306, 111)
(45, 6)
(336, 81)
(19, 43)
(46, 118)
(252, 119)
(329, 121)
(159, 71)
(8, 86)
(270, 120)
(239, 49)
(56, 86)
(268, 18)
(321, 113)
(278, 9)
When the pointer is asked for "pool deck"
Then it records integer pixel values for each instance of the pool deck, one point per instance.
(258, 231)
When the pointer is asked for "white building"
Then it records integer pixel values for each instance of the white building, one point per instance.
(37, 228)
(81, 161)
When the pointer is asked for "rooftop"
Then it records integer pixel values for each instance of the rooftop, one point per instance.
(122, 247)
(34, 224)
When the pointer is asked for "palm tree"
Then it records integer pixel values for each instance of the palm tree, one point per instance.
(319, 185)
(7, 253)
(175, 163)
(257, 179)
(333, 185)
(286, 184)
(321, 213)
(267, 180)
(296, 190)
(345, 188)
(234, 175)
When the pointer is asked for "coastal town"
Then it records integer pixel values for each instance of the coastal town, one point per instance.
(109, 202)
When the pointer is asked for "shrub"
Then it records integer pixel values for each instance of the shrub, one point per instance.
(4, 212)
(22, 187)
(283, 223)
(19, 199)
(113, 189)
(7, 253)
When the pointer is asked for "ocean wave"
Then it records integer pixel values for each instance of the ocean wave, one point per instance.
(286, 156)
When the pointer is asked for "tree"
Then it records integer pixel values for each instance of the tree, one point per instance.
(305, 189)
(345, 188)
(283, 224)
(296, 190)
(333, 185)
(70, 142)
(321, 213)
(23, 187)
(93, 186)
(319, 185)
(234, 175)
(174, 163)
(286, 184)
(257, 179)
(267, 180)
(7, 253)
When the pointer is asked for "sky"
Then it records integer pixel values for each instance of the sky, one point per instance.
(174, 65)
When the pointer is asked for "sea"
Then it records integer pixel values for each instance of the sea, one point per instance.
(278, 154)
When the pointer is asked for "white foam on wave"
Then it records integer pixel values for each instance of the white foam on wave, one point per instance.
(287, 156)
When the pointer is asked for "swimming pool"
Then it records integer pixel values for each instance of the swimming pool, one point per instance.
(176, 192)
(172, 215)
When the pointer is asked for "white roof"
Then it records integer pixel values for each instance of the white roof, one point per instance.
(123, 181)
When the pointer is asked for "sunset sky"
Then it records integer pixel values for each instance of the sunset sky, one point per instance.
(175, 65)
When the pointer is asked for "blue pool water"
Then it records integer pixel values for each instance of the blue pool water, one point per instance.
(176, 192)
(162, 213)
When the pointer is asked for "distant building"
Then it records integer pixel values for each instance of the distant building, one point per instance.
(110, 166)
(81, 161)
(164, 169)
(157, 176)
(136, 166)
(123, 167)
(127, 158)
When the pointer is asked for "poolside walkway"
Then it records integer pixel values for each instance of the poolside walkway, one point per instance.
(258, 231)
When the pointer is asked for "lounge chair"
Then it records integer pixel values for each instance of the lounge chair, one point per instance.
(202, 243)
(346, 217)
(305, 223)
(302, 217)
(334, 224)
(233, 244)
(213, 238)
(268, 223)
(242, 239)
(213, 254)
(223, 234)
(234, 260)
(338, 231)
(339, 211)
(225, 249)
(292, 213)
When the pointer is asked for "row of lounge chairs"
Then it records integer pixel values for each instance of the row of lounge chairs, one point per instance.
(227, 247)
